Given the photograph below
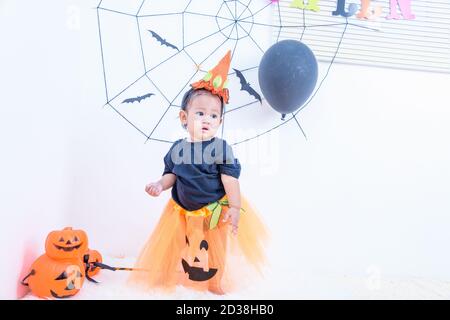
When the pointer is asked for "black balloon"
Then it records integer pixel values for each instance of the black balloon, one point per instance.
(287, 75)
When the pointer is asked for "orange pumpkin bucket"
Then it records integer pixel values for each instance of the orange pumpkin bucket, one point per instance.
(66, 244)
(91, 258)
(60, 272)
(50, 278)
(67, 262)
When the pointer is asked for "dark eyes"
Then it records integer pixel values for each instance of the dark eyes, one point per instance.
(203, 244)
(201, 114)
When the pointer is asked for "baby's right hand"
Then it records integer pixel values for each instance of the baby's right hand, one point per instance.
(154, 189)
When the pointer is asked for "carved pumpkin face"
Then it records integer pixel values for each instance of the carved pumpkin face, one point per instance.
(92, 256)
(198, 269)
(56, 278)
(66, 244)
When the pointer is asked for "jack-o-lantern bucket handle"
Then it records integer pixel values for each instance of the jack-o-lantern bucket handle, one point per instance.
(32, 273)
(87, 267)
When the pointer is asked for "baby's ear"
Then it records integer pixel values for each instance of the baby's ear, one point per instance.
(183, 118)
(182, 115)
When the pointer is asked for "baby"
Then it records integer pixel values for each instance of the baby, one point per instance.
(201, 115)
(190, 244)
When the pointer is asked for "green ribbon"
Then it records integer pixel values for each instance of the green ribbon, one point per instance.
(216, 210)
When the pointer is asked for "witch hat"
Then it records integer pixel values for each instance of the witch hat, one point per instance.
(216, 80)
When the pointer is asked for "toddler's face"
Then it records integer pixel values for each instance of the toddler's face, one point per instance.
(203, 116)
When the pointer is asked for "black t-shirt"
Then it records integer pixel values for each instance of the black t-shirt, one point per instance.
(198, 166)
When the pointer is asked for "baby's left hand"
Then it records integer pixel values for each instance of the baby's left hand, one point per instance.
(233, 214)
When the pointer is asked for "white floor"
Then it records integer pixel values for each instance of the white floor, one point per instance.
(307, 285)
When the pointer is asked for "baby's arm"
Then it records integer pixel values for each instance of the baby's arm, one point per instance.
(166, 182)
(232, 189)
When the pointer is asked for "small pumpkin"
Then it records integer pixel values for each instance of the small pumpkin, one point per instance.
(50, 278)
(66, 244)
(90, 257)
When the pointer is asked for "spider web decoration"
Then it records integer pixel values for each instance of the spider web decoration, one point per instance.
(152, 50)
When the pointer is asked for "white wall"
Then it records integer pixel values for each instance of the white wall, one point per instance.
(373, 179)
(39, 86)
(370, 187)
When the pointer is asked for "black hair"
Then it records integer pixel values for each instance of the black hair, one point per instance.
(190, 94)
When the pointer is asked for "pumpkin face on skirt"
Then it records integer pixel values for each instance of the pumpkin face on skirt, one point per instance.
(199, 269)
(56, 278)
(203, 259)
(66, 244)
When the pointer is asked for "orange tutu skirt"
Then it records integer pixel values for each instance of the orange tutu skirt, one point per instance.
(185, 250)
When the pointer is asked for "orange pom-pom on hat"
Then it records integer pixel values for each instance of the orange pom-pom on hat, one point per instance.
(216, 80)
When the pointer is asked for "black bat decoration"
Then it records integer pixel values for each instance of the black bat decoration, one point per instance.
(163, 41)
(138, 99)
(246, 86)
